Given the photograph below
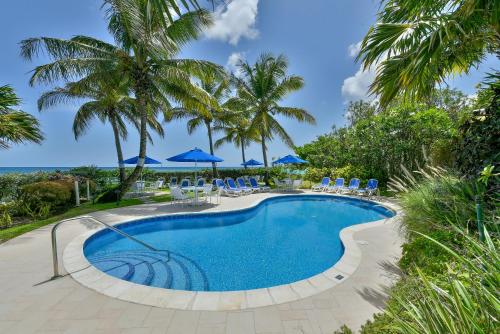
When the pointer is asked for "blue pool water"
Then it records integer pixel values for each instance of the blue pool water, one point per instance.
(282, 240)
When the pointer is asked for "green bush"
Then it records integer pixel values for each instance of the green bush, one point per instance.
(349, 172)
(5, 215)
(11, 184)
(316, 174)
(40, 198)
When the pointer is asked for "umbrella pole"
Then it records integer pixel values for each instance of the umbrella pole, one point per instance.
(195, 184)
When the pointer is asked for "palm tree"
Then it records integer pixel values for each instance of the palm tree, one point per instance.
(108, 101)
(238, 132)
(417, 44)
(16, 126)
(261, 88)
(146, 58)
(205, 115)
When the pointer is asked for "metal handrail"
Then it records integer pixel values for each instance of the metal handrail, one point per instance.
(55, 259)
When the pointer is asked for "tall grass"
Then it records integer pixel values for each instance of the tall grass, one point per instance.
(434, 199)
(466, 300)
(451, 279)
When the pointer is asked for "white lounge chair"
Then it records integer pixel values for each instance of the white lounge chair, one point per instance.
(255, 185)
(240, 182)
(370, 189)
(224, 190)
(322, 186)
(353, 186)
(233, 186)
(339, 184)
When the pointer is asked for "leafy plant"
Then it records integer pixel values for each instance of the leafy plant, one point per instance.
(467, 302)
(40, 198)
(417, 44)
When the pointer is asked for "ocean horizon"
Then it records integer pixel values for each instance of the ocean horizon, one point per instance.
(28, 170)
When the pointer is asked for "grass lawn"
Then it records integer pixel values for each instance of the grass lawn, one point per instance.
(85, 208)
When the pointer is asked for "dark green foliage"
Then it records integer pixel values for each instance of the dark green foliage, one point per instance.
(108, 196)
(426, 255)
(377, 146)
(479, 140)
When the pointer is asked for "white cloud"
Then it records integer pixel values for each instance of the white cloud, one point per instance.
(233, 61)
(353, 49)
(356, 87)
(234, 21)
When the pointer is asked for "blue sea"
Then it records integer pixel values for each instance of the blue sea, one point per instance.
(26, 170)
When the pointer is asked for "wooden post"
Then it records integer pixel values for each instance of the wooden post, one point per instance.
(88, 190)
(77, 194)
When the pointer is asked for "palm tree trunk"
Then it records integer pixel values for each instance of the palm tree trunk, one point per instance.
(119, 152)
(140, 93)
(264, 155)
(243, 152)
(210, 141)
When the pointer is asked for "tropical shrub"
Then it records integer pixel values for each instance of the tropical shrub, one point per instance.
(5, 215)
(449, 278)
(377, 145)
(466, 301)
(40, 198)
(316, 174)
(479, 139)
(11, 184)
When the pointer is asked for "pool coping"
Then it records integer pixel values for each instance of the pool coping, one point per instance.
(77, 265)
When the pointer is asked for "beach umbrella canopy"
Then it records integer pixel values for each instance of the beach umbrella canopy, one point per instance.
(252, 162)
(195, 155)
(290, 160)
(147, 161)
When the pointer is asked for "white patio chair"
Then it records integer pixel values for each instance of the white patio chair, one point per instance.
(179, 196)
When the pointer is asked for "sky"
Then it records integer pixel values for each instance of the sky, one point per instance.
(320, 40)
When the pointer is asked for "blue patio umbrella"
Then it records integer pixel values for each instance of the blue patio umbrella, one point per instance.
(195, 155)
(147, 161)
(289, 160)
(252, 162)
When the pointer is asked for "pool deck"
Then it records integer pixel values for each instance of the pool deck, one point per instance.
(29, 303)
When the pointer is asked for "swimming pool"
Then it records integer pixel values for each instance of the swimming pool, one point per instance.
(283, 239)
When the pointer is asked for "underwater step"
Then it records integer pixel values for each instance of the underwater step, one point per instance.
(153, 268)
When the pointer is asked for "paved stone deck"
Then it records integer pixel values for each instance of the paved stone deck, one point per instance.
(29, 303)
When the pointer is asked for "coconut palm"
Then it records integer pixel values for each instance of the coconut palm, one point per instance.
(417, 44)
(203, 115)
(16, 126)
(237, 131)
(145, 57)
(260, 89)
(106, 100)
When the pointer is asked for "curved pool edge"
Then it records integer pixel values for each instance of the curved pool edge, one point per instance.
(83, 272)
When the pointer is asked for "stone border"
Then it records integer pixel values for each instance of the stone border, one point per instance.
(83, 272)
